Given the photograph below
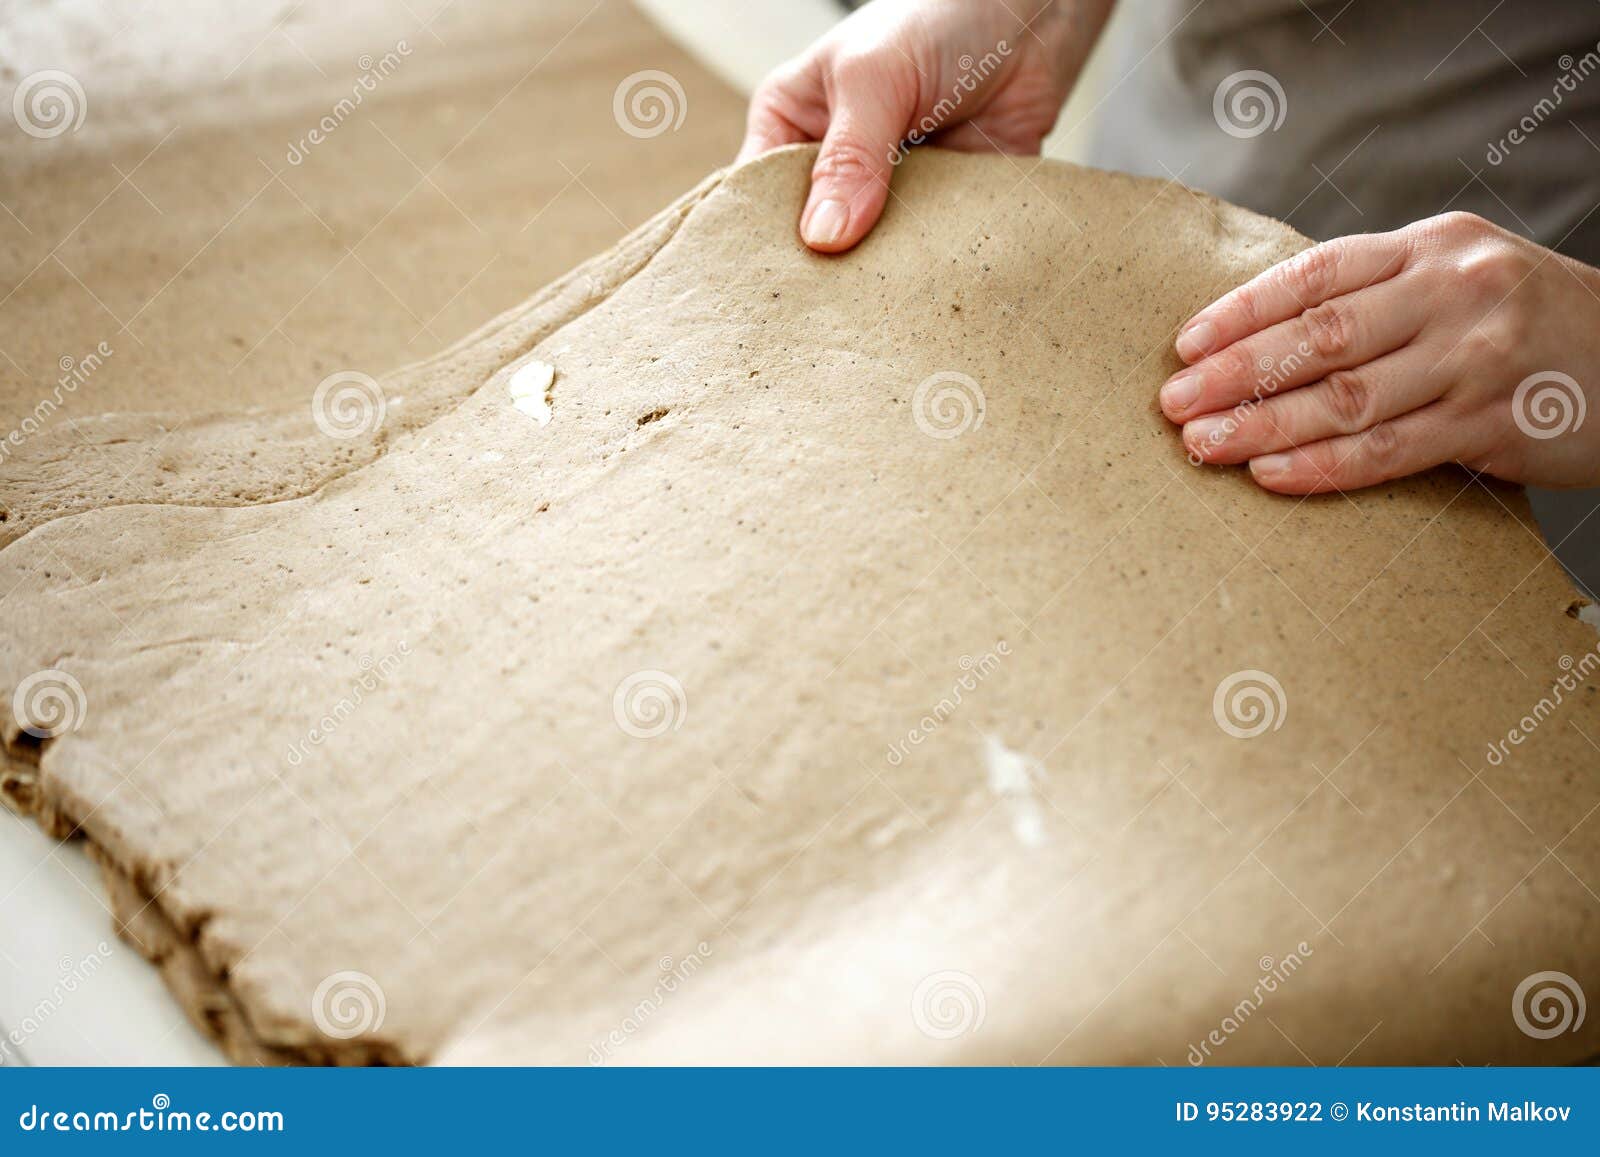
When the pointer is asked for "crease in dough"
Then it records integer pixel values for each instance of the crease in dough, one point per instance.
(803, 559)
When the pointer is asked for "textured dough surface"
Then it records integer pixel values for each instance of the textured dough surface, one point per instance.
(228, 264)
(737, 495)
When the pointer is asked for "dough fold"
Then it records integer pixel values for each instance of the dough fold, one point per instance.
(852, 669)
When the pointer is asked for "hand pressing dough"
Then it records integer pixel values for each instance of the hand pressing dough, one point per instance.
(852, 669)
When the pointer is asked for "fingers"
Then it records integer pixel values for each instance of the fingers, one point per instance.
(860, 110)
(1337, 334)
(765, 130)
(1321, 273)
(850, 180)
(974, 137)
(1415, 441)
(791, 95)
(1345, 402)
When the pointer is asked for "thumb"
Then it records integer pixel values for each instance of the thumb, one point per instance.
(850, 181)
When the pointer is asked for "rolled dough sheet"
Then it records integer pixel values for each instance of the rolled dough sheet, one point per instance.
(227, 262)
(172, 226)
(851, 669)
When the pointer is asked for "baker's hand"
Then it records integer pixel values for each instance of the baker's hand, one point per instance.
(1379, 355)
(975, 75)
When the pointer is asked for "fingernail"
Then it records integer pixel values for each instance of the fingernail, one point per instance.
(1204, 434)
(1195, 342)
(826, 222)
(1270, 465)
(1179, 394)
